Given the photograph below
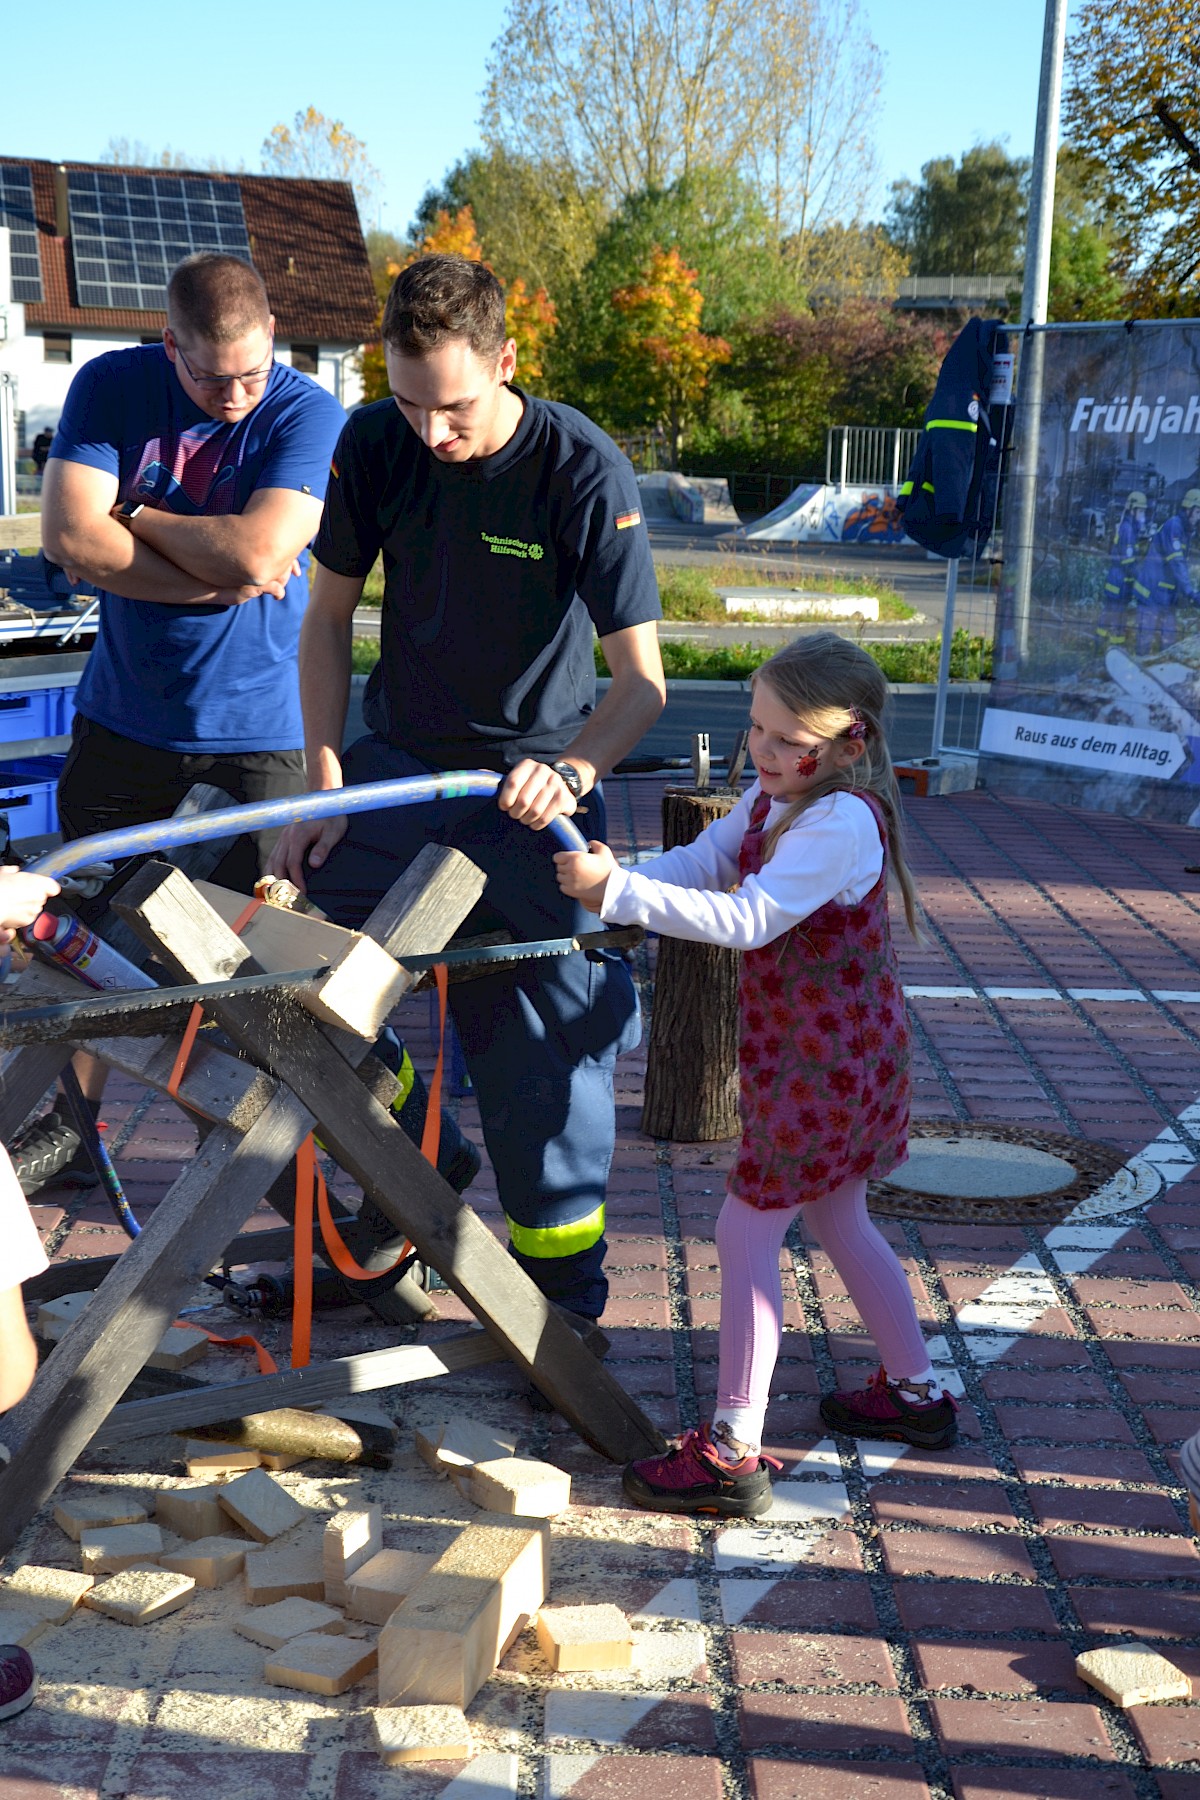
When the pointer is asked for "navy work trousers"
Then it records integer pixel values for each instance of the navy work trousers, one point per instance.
(540, 1040)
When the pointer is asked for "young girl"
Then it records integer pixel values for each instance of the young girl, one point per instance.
(824, 1054)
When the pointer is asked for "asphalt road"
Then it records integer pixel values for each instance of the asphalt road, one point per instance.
(916, 578)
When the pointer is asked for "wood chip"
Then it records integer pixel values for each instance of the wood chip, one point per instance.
(284, 1572)
(137, 1596)
(55, 1593)
(260, 1506)
(206, 1460)
(210, 1561)
(193, 1512)
(85, 1509)
(319, 1664)
(287, 1619)
(376, 1590)
(117, 1547)
(460, 1443)
(585, 1637)
(1132, 1675)
(521, 1485)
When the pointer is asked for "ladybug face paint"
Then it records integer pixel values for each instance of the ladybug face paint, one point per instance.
(806, 766)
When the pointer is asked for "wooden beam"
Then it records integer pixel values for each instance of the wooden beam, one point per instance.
(170, 916)
(103, 1351)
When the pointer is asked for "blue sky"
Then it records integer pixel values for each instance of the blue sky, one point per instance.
(214, 81)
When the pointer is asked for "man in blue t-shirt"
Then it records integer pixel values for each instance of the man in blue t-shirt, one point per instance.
(510, 532)
(185, 481)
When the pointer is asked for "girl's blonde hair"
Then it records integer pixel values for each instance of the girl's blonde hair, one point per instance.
(832, 685)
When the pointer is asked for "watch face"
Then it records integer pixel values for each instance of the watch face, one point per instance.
(571, 776)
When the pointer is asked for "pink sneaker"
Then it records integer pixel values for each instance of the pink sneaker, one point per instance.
(691, 1478)
(881, 1410)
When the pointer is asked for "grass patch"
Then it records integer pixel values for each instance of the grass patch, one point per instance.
(970, 660)
(364, 654)
(689, 593)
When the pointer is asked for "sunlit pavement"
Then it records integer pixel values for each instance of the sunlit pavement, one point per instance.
(904, 1624)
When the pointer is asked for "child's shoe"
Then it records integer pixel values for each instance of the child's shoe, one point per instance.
(18, 1680)
(691, 1478)
(883, 1410)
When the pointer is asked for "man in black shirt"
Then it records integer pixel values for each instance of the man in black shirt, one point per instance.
(510, 530)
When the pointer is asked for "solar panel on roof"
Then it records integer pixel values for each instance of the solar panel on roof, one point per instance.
(16, 211)
(129, 231)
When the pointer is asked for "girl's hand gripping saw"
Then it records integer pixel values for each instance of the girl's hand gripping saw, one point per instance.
(583, 875)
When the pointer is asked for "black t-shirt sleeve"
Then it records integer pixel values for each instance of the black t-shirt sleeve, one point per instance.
(350, 535)
(616, 571)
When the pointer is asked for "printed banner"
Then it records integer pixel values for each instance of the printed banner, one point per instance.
(1096, 699)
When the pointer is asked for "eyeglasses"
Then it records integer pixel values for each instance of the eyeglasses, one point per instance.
(253, 378)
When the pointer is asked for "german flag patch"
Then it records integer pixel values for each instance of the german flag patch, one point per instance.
(335, 471)
(625, 520)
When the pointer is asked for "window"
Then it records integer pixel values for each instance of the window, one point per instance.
(56, 346)
(304, 358)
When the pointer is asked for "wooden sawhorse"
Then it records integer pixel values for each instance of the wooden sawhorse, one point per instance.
(298, 1075)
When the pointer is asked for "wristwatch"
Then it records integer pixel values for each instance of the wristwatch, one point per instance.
(568, 773)
(128, 511)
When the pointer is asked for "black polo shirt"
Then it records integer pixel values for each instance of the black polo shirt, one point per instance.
(495, 573)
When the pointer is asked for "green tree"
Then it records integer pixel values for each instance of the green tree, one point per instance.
(798, 372)
(535, 222)
(321, 149)
(664, 360)
(634, 95)
(1133, 104)
(719, 229)
(1086, 279)
(963, 219)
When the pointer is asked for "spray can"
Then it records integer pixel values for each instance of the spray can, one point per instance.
(65, 940)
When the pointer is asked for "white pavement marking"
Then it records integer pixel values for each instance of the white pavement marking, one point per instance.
(596, 1717)
(990, 1326)
(1136, 996)
(678, 1601)
(561, 1773)
(492, 1776)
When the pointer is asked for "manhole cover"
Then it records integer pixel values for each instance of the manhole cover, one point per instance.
(979, 1169)
(982, 1174)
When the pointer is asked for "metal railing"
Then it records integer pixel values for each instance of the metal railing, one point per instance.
(868, 455)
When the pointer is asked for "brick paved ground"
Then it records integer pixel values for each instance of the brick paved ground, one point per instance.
(902, 1625)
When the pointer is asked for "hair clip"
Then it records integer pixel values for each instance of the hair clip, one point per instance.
(859, 729)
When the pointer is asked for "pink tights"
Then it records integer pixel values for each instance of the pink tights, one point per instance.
(748, 1245)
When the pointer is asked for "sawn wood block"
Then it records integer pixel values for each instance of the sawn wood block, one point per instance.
(361, 983)
(177, 1347)
(520, 1485)
(376, 1590)
(446, 1638)
(275, 1625)
(1132, 1675)
(461, 1443)
(55, 1593)
(87, 1510)
(118, 1547)
(351, 1539)
(585, 1637)
(193, 1512)
(21, 1625)
(210, 1561)
(138, 1596)
(208, 1460)
(260, 1506)
(285, 1572)
(320, 1664)
(421, 1733)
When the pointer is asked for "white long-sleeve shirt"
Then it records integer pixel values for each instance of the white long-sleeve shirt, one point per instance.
(831, 852)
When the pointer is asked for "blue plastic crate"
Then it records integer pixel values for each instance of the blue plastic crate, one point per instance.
(33, 714)
(66, 710)
(28, 796)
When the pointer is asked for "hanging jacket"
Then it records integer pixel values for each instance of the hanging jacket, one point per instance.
(946, 503)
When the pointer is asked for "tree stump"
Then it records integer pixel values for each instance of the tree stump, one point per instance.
(692, 1063)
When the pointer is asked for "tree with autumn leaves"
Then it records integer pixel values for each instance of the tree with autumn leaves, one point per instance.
(529, 316)
(663, 359)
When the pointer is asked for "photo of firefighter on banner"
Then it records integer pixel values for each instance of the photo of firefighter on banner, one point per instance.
(1096, 697)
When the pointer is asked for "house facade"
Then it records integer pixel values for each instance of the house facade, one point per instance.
(90, 246)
